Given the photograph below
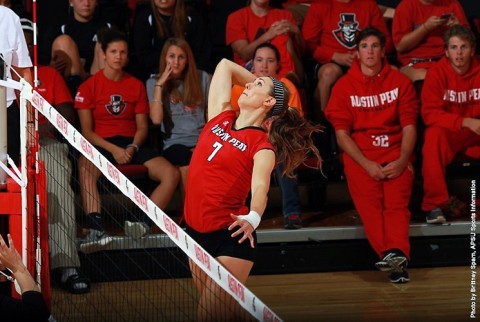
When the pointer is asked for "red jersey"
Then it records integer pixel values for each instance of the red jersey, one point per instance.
(374, 109)
(243, 24)
(411, 14)
(220, 172)
(447, 97)
(114, 103)
(52, 87)
(331, 26)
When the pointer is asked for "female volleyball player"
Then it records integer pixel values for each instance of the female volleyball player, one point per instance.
(235, 155)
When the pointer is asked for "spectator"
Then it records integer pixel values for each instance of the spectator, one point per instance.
(258, 23)
(374, 111)
(417, 29)
(14, 53)
(64, 260)
(76, 52)
(31, 307)
(113, 112)
(451, 112)
(178, 100)
(161, 20)
(330, 30)
(266, 63)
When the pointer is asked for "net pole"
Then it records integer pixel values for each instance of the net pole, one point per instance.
(3, 125)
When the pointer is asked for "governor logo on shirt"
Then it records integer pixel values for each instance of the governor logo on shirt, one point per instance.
(116, 106)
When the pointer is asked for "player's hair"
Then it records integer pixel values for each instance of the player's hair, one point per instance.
(178, 20)
(462, 32)
(371, 31)
(108, 35)
(290, 134)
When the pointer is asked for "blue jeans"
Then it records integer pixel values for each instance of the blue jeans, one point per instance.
(289, 189)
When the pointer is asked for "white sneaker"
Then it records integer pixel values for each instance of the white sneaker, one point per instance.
(95, 241)
(135, 230)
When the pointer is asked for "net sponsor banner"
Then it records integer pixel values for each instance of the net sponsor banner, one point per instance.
(212, 267)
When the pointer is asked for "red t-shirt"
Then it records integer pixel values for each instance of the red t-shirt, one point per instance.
(331, 26)
(114, 103)
(374, 109)
(243, 24)
(447, 97)
(52, 87)
(411, 14)
(220, 172)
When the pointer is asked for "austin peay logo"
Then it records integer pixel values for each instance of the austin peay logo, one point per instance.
(348, 31)
(116, 106)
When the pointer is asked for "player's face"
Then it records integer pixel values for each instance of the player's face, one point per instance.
(459, 52)
(370, 52)
(257, 93)
(177, 60)
(265, 63)
(83, 10)
(116, 55)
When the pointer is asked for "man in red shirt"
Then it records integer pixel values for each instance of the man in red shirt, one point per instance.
(417, 29)
(374, 111)
(330, 30)
(451, 112)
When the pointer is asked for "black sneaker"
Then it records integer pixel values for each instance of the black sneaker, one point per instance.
(399, 277)
(436, 216)
(293, 222)
(394, 260)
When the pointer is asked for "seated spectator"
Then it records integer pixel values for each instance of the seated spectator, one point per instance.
(64, 260)
(31, 307)
(178, 100)
(113, 112)
(160, 20)
(76, 53)
(258, 23)
(417, 29)
(266, 63)
(451, 112)
(330, 30)
(374, 111)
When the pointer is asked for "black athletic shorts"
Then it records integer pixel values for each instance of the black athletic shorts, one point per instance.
(178, 154)
(221, 243)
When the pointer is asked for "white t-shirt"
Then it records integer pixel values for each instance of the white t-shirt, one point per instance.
(13, 46)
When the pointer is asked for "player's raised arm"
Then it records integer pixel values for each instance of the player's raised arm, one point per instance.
(226, 74)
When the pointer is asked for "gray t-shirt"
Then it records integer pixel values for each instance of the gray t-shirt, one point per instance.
(187, 122)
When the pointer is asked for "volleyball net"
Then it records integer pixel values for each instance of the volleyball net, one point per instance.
(134, 279)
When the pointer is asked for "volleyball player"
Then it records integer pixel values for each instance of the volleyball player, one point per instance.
(235, 155)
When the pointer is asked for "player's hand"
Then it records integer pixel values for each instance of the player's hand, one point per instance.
(344, 59)
(375, 170)
(472, 124)
(394, 169)
(244, 227)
